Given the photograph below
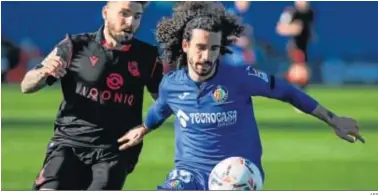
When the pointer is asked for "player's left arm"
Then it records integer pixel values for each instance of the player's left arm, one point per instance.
(156, 75)
(287, 26)
(292, 29)
(259, 83)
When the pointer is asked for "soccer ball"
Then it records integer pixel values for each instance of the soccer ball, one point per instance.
(235, 173)
(298, 74)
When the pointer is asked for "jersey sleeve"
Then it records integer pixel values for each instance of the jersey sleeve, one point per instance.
(287, 16)
(156, 73)
(64, 50)
(258, 83)
(160, 110)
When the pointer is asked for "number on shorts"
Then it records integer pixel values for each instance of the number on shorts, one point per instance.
(182, 175)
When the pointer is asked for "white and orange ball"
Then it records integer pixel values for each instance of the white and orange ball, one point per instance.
(298, 74)
(235, 173)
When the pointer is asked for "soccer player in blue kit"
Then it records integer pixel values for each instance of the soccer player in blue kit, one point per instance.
(212, 102)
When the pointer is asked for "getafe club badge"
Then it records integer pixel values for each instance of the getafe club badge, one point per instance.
(220, 94)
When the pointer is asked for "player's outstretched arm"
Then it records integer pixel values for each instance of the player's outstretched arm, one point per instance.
(50, 69)
(344, 127)
(156, 116)
(258, 83)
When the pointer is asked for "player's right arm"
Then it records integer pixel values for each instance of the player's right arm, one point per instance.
(156, 116)
(159, 111)
(51, 68)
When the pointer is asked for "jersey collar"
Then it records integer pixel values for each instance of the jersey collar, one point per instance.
(100, 39)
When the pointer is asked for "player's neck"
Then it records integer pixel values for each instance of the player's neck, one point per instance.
(111, 41)
(197, 78)
(303, 10)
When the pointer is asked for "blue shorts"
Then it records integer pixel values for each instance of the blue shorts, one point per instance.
(187, 179)
(181, 179)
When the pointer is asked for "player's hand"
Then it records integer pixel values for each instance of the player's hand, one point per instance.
(347, 129)
(54, 66)
(132, 137)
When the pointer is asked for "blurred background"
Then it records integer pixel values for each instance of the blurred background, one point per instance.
(299, 152)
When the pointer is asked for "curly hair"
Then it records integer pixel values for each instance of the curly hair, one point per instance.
(189, 15)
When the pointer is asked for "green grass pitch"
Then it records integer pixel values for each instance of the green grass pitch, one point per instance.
(300, 153)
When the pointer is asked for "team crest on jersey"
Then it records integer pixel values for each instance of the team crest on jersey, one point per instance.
(220, 94)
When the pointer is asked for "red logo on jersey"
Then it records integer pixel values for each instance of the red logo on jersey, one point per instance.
(94, 60)
(133, 69)
(126, 48)
(114, 81)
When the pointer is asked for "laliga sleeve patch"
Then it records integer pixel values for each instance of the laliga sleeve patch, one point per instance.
(257, 73)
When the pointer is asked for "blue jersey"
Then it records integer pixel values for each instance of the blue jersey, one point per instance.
(215, 118)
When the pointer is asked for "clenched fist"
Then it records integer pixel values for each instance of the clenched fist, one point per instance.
(54, 65)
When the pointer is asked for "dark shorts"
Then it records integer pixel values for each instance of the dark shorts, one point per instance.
(72, 168)
(297, 55)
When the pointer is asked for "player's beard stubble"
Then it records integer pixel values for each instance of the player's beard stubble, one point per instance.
(120, 35)
(202, 69)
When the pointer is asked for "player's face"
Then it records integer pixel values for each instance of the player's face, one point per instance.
(302, 5)
(122, 19)
(202, 51)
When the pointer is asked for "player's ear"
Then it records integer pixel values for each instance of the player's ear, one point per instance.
(185, 45)
(104, 12)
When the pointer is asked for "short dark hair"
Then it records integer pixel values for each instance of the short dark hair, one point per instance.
(189, 15)
(144, 3)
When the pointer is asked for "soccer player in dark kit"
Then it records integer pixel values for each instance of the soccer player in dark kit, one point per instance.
(102, 76)
(297, 22)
